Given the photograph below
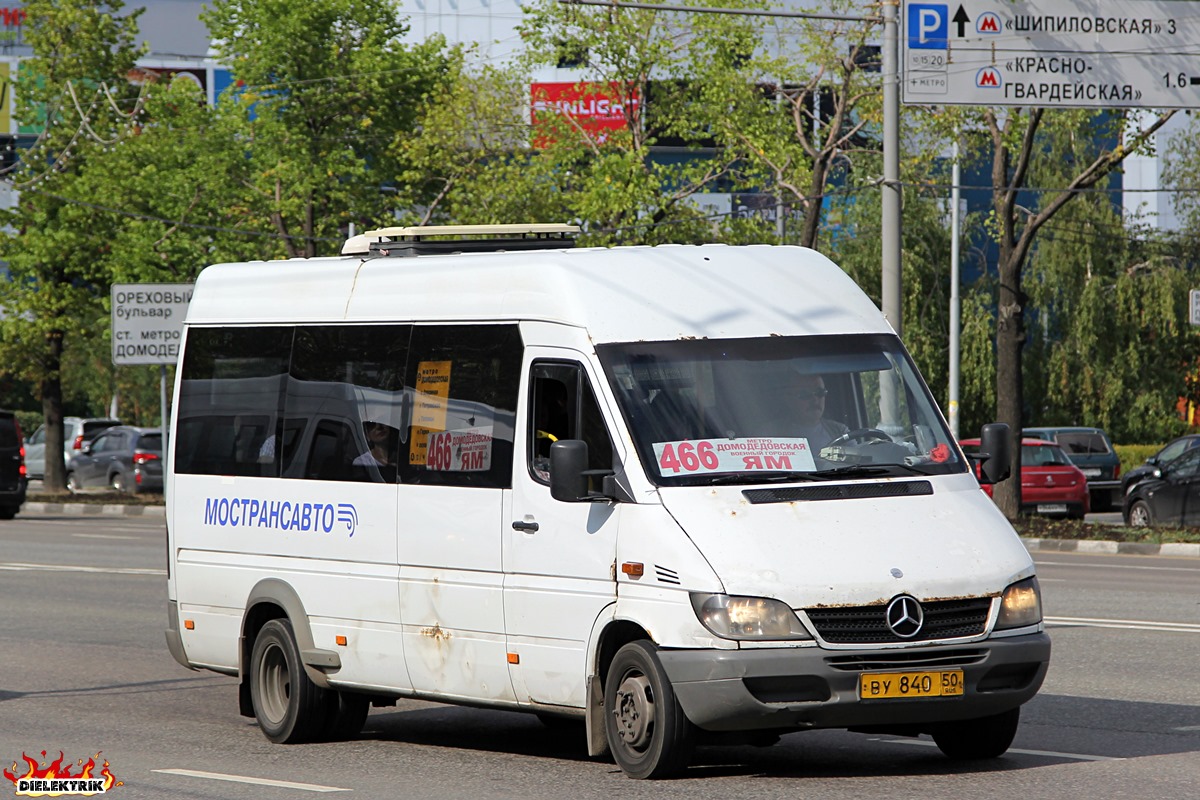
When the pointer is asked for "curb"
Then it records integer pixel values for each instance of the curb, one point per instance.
(94, 510)
(1113, 548)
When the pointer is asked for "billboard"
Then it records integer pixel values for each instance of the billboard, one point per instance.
(597, 109)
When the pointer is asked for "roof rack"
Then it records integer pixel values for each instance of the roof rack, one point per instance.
(433, 239)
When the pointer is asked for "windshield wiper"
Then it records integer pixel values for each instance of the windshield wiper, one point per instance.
(761, 477)
(862, 470)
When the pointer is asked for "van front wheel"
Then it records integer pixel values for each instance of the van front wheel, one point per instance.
(976, 739)
(289, 707)
(648, 733)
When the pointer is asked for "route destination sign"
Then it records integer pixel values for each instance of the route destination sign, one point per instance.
(1098, 54)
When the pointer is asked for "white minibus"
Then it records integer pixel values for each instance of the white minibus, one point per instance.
(683, 495)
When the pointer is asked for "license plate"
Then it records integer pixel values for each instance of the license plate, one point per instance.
(1092, 473)
(1052, 508)
(910, 685)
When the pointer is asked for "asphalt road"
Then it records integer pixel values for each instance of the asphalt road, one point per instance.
(84, 669)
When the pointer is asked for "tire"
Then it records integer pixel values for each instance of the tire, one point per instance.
(648, 734)
(119, 482)
(289, 707)
(346, 715)
(1140, 515)
(977, 739)
(8, 512)
(73, 484)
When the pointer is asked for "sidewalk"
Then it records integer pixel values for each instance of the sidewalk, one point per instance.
(1112, 548)
(95, 509)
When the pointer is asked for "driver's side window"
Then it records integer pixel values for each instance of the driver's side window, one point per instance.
(563, 406)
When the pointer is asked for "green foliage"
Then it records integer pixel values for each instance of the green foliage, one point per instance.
(326, 88)
(480, 159)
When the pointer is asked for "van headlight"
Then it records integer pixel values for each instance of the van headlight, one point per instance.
(747, 617)
(1021, 605)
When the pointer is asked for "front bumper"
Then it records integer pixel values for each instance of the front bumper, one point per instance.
(800, 688)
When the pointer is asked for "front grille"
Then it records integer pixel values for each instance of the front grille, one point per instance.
(907, 660)
(944, 619)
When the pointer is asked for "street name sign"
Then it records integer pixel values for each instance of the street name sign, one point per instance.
(147, 321)
(1052, 53)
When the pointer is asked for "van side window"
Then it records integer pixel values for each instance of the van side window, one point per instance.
(465, 380)
(563, 406)
(231, 388)
(347, 382)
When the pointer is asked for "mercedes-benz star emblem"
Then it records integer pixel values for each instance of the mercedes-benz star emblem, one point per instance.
(905, 617)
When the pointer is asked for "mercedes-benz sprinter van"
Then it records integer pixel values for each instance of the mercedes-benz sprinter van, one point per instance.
(684, 494)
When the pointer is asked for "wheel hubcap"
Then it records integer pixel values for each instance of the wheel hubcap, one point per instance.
(634, 711)
(275, 682)
(1138, 517)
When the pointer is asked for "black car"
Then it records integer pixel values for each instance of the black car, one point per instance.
(123, 458)
(13, 480)
(1171, 451)
(1169, 495)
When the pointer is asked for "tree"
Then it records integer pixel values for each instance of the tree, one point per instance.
(797, 100)
(75, 86)
(484, 163)
(1018, 137)
(325, 87)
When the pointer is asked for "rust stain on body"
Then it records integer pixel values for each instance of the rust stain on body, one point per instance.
(437, 633)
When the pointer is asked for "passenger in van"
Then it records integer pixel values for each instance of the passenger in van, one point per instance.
(808, 393)
(379, 443)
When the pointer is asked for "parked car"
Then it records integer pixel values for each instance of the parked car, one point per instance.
(13, 478)
(1170, 451)
(1170, 495)
(1091, 450)
(123, 457)
(1050, 484)
(76, 431)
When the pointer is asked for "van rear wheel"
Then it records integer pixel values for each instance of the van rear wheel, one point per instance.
(977, 739)
(648, 733)
(289, 707)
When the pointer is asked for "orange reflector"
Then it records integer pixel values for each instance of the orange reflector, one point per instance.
(633, 568)
(514, 658)
(341, 640)
(189, 624)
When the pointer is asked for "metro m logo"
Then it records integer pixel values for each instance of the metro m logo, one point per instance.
(928, 26)
(988, 78)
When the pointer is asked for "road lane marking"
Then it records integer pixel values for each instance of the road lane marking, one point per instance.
(102, 536)
(1189, 728)
(1047, 753)
(14, 566)
(220, 776)
(1124, 624)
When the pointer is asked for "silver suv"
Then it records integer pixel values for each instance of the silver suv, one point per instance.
(76, 431)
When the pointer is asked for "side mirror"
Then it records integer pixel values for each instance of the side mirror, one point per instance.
(86, 448)
(568, 462)
(994, 453)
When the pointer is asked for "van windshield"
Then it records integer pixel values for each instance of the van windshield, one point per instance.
(705, 411)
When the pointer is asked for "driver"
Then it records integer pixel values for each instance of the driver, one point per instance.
(808, 392)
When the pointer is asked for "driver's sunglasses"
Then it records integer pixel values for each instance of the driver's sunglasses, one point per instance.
(812, 394)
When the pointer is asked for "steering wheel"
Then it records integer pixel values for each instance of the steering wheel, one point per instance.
(864, 434)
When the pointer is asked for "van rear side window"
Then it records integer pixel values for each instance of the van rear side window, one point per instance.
(374, 403)
(231, 393)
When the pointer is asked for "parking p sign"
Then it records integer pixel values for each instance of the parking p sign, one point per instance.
(928, 26)
(147, 321)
